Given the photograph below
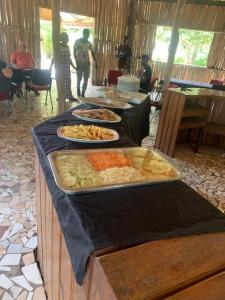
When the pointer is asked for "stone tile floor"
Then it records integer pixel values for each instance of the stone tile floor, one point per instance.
(19, 274)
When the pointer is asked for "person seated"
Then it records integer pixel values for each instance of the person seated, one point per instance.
(23, 60)
(145, 74)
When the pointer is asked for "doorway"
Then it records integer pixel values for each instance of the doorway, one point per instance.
(71, 23)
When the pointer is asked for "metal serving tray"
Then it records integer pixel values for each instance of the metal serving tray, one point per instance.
(141, 158)
(107, 103)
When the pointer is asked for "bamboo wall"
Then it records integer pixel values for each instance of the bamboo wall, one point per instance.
(198, 17)
(216, 58)
(80, 7)
(144, 41)
(17, 19)
(186, 72)
(110, 28)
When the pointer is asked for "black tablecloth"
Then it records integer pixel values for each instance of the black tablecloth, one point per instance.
(122, 217)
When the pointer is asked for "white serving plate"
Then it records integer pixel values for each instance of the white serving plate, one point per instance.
(115, 138)
(118, 118)
(108, 103)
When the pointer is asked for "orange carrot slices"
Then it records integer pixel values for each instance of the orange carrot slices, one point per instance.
(104, 160)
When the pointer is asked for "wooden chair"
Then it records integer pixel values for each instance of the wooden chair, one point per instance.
(194, 117)
(214, 129)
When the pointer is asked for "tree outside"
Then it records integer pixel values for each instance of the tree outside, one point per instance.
(193, 47)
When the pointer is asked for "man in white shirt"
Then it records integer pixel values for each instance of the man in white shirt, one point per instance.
(82, 50)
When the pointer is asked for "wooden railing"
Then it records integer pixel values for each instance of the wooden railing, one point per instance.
(187, 72)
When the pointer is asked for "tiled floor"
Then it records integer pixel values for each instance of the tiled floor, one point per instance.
(19, 275)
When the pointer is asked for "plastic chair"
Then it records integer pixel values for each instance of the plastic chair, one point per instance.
(6, 93)
(40, 80)
(113, 77)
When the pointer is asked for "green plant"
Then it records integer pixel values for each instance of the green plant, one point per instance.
(46, 34)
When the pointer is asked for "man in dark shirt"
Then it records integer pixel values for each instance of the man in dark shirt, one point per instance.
(146, 74)
(124, 55)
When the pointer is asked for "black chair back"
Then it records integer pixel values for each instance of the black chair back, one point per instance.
(5, 84)
(41, 77)
(17, 76)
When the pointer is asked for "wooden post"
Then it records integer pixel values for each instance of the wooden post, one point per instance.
(37, 35)
(132, 20)
(131, 26)
(173, 43)
(55, 4)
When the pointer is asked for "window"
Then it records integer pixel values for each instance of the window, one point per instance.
(193, 47)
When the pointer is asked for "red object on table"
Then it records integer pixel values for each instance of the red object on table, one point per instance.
(113, 77)
(216, 82)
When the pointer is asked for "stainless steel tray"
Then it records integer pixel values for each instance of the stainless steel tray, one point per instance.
(108, 103)
(142, 159)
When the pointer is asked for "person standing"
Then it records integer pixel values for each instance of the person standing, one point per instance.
(65, 63)
(124, 56)
(82, 50)
(145, 74)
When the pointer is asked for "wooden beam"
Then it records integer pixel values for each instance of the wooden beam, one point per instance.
(197, 2)
(173, 43)
(132, 19)
(55, 4)
(37, 35)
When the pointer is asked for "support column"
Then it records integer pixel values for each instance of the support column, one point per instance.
(37, 35)
(55, 4)
(173, 43)
(132, 20)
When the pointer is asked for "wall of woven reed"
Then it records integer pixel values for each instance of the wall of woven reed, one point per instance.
(198, 17)
(17, 22)
(17, 19)
(186, 72)
(216, 58)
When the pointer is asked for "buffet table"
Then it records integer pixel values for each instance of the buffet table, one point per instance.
(146, 242)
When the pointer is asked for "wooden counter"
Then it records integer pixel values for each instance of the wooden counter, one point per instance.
(181, 268)
(173, 109)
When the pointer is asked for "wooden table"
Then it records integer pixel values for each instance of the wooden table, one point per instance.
(173, 108)
(190, 268)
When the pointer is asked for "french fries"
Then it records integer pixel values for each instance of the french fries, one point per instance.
(87, 132)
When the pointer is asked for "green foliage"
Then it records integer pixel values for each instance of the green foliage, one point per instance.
(179, 60)
(46, 35)
(193, 47)
(196, 45)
